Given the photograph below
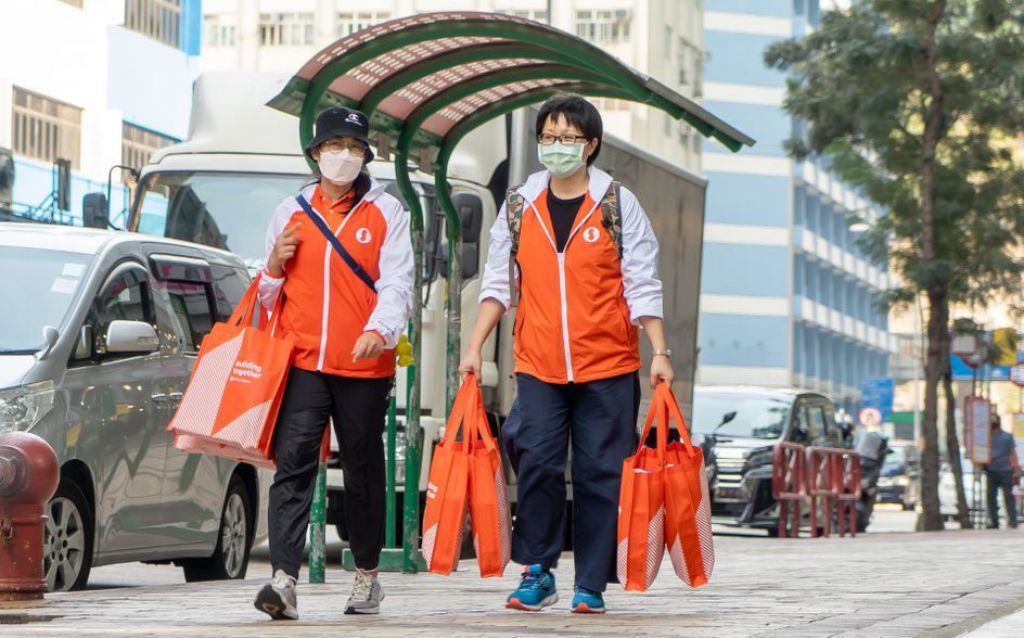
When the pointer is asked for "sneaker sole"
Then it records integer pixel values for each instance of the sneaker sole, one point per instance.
(369, 611)
(515, 603)
(584, 608)
(269, 602)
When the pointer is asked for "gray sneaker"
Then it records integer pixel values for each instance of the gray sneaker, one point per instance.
(366, 594)
(277, 598)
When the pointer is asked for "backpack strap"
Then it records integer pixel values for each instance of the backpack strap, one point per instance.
(336, 243)
(611, 215)
(514, 205)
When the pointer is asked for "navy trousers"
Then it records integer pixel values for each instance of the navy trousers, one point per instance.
(599, 419)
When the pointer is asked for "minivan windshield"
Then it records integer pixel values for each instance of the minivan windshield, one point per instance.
(220, 209)
(758, 416)
(37, 289)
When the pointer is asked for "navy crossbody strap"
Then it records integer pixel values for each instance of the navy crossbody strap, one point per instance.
(352, 263)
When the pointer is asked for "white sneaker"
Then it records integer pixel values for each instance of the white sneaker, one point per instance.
(366, 594)
(277, 598)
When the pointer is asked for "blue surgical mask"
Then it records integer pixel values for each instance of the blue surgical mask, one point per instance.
(561, 159)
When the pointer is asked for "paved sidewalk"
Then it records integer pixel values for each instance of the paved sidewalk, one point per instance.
(946, 583)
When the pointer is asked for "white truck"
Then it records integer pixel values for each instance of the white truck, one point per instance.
(242, 158)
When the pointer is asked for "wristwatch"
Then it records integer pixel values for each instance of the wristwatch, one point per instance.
(667, 352)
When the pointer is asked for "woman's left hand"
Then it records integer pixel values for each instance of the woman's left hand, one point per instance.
(661, 370)
(369, 346)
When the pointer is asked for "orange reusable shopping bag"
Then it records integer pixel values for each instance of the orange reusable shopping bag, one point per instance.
(687, 503)
(641, 537)
(230, 406)
(448, 489)
(490, 515)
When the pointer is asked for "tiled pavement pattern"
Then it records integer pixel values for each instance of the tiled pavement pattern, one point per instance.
(944, 584)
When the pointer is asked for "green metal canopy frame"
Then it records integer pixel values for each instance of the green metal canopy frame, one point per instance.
(428, 80)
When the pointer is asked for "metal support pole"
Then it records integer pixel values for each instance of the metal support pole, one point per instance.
(318, 528)
(389, 518)
(413, 431)
(454, 337)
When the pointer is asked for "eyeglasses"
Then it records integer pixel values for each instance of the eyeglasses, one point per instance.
(546, 139)
(356, 148)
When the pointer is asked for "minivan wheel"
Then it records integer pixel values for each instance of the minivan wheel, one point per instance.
(230, 559)
(67, 539)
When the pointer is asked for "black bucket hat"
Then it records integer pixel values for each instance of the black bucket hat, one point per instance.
(336, 121)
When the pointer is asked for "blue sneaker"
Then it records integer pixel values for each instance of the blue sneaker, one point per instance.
(587, 602)
(535, 592)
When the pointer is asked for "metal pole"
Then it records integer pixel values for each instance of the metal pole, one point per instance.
(389, 534)
(318, 528)
(413, 431)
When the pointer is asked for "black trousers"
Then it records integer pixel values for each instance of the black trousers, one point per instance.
(600, 419)
(998, 480)
(358, 409)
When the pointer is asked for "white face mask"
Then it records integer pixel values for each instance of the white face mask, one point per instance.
(340, 167)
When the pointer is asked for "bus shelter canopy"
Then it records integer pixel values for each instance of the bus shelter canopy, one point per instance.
(438, 71)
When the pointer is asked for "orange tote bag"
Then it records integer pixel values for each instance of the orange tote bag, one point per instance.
(687, 503)
(230, 406)
(641, 534)
(448, 489)
(490, 515)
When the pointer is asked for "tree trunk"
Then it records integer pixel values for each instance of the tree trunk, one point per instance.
(931, 516)
(953, 441)
(938, 301)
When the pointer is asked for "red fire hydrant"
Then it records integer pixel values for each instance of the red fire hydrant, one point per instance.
(29, 475)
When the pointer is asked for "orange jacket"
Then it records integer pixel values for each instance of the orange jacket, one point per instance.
(326, 306)
(578, 310)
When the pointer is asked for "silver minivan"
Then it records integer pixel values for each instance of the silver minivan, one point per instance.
(100, 333)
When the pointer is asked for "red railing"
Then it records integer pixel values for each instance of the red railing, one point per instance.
(789, 485)
(828, 478)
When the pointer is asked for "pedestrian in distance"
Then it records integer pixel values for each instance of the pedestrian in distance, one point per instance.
(338, 280)
(1001, 473)
(578, 253)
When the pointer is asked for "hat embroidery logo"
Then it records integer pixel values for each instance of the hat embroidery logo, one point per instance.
(363, 236)
(354, 118)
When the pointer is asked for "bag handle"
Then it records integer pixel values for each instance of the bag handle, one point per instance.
(672, 409)
(657, 412)
(246, 305)
(460, 415)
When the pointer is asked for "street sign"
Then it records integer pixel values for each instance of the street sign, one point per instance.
(964, 345)
(1017, 374)
(877, 393)
(978, 429)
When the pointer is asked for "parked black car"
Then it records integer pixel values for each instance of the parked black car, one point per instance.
(739, 426)
(899, 482)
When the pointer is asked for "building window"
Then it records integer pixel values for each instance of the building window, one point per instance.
(44, 129)
(158, 19)
(138, 144)
(286, 29)
(603, 27)
(220, 30)
(349, 23)
(537, 15)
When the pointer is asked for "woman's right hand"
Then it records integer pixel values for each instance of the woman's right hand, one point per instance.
(471, 365)
(284, 249)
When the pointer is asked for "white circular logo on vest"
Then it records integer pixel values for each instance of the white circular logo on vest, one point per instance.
(363, 236)
(591, 235)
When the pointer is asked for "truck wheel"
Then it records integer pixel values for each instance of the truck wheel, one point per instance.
(67, 539)
(230, 559)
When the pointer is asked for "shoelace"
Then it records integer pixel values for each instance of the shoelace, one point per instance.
(283, 580)
(530, 580)
(363, 586)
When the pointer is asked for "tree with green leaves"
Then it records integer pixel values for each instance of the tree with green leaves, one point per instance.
(919, 105)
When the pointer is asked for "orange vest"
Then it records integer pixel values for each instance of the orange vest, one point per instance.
(326, 306)
(573, 322)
